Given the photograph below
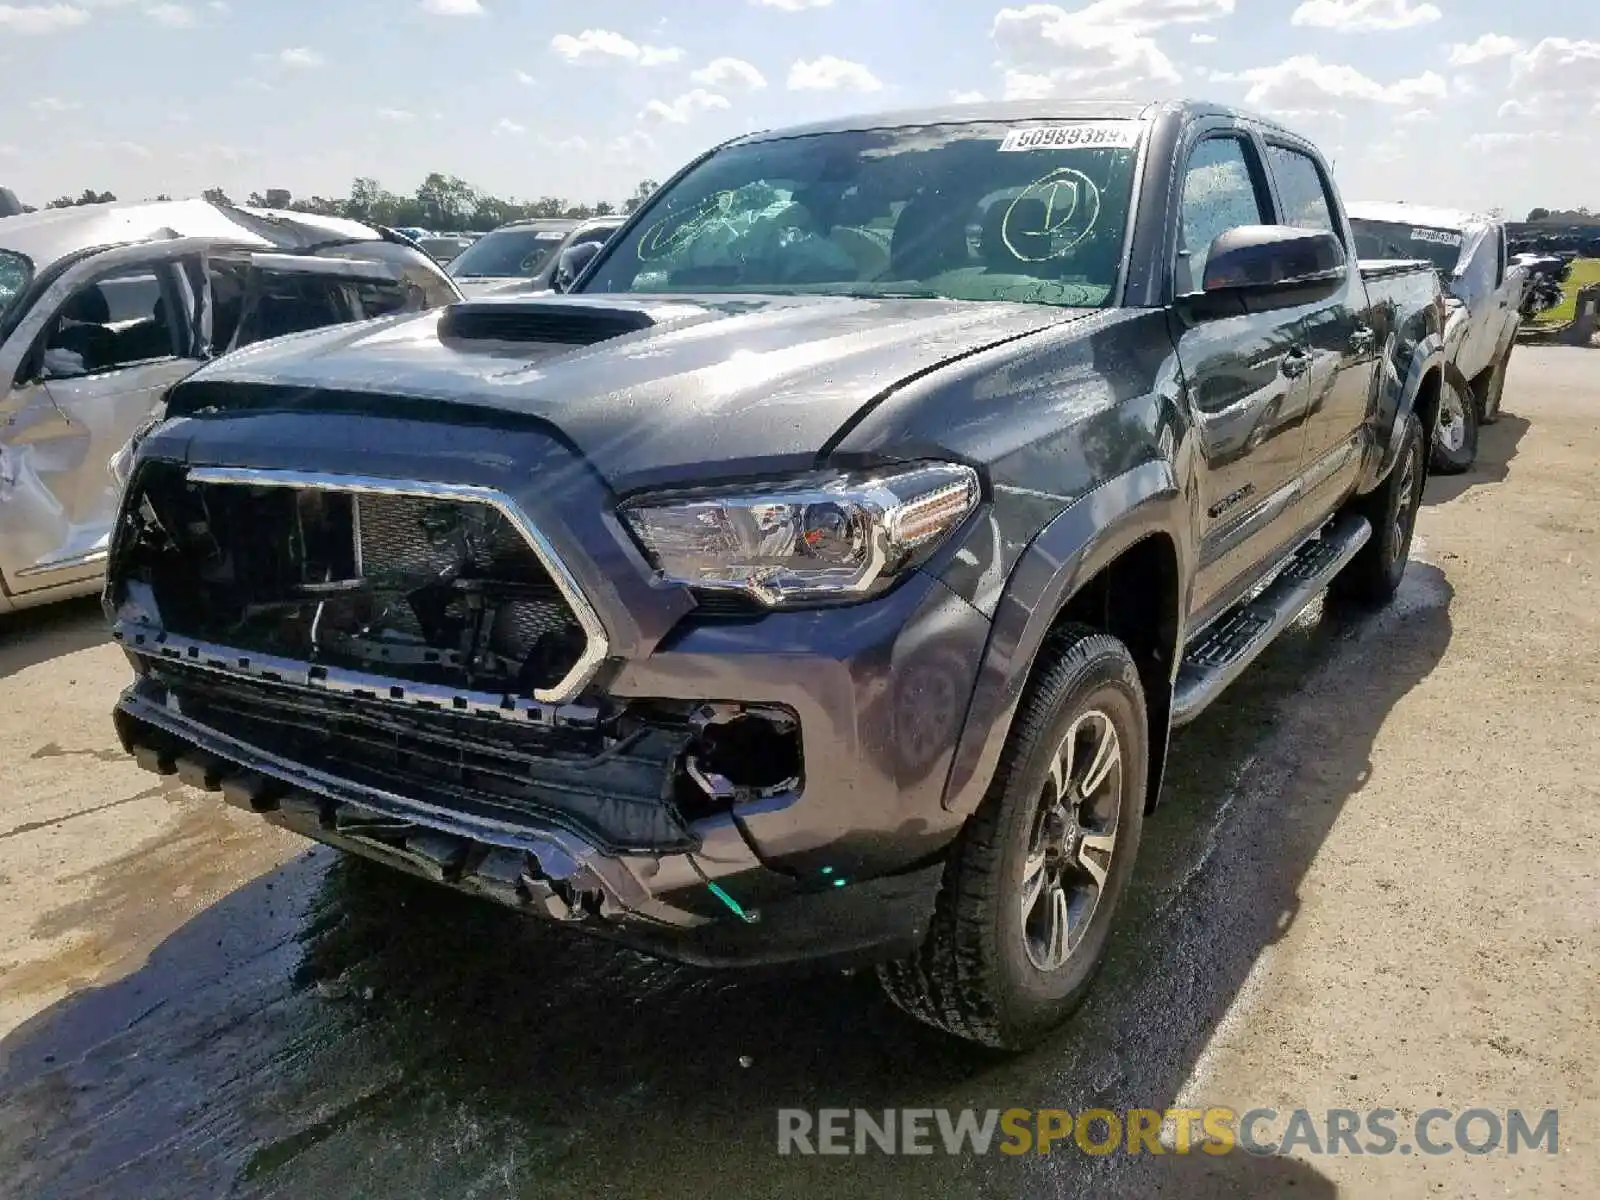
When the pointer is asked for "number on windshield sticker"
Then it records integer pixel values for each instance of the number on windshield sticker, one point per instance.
(1087, 134)
(1440, 237)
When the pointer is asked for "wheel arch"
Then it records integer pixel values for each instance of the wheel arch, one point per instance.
(1420, 395)
(1115, 560)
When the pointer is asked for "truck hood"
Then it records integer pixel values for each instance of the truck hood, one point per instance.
(720, 385)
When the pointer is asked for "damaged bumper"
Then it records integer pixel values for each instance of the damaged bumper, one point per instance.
(678, 905)
(724, 788)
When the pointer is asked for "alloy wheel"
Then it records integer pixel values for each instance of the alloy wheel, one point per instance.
(1408, 494)
(1073, 839)
(1451, 429)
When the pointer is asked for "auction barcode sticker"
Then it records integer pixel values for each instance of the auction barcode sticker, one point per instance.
(1089, 134)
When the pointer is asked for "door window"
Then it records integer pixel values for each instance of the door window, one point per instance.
(284, 303)
(116, 321)
(1221, 191)
(1301, 189)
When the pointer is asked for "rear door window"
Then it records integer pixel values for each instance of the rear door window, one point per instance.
(1302, 191)
(280, 304)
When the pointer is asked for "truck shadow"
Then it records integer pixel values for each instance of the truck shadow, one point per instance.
(333, 1028)
(37, 635)
(1497, 446)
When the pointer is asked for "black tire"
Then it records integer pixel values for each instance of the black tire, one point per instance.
(1455, 430)
(976, 975)
(1372, 577)
(1494, 390)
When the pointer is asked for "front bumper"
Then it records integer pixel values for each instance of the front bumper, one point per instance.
(842, 867)
(678, 905)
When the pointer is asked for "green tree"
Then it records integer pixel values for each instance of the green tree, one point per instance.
(440, 202)
(447, 201)
(370, 201)
(1539, 214)
(641, 193)
(88, 196)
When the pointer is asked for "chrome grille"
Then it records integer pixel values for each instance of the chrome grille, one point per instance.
(438, 585)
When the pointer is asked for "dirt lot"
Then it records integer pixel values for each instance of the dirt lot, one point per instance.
(1373, 883)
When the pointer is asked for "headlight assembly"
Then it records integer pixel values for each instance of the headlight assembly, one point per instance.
(834, 536)
(120, 464)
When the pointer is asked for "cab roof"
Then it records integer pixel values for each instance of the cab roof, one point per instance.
(1006, 111)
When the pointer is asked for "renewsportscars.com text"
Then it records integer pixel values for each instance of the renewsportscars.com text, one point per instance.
(1099, 1131)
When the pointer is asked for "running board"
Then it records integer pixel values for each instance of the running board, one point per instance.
(1235, 639)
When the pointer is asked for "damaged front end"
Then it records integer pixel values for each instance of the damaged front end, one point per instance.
(406, 671)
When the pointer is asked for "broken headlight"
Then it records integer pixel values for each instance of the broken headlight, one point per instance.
(835, 536)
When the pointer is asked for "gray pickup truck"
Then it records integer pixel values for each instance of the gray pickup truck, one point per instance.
(1483, 291)
(819, 578)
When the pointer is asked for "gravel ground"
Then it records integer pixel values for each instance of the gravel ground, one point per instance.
(1373, 884)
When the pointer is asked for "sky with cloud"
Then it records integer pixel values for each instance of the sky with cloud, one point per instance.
(1462, 102)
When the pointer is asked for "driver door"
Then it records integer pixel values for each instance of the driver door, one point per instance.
(83, 370)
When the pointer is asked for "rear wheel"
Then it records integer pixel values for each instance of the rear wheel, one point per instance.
(1373, 576)
(1455, 433)
(1034, 881)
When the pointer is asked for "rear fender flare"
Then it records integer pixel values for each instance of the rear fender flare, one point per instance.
(1428, 357)
(1070, 551)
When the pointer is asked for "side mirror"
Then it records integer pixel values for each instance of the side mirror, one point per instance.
(1255, 268)
(571, 264)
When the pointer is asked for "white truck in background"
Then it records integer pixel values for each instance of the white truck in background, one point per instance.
(1483, 288)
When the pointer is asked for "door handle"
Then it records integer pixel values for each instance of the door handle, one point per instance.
(1296, 362)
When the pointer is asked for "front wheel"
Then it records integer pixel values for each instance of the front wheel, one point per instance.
(1455, 434)
(1033, 883)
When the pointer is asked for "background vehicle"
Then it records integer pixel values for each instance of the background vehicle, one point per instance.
(807, 601)
(103, 307)
(523, 256)
(10, 206)
(1545, 274)
(413, 232)
(444, 247)
(1485, 295)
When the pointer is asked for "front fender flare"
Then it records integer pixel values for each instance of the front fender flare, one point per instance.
(1071, 550)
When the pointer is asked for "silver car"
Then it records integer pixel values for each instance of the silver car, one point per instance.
(104, 307)
(523, 256)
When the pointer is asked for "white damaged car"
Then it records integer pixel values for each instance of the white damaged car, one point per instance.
(104, 307)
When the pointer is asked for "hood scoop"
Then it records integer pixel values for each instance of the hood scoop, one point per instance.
(534, 321)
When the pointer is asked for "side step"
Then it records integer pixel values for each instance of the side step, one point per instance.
(1235, 639)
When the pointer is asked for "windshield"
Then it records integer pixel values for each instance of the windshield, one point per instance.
(964, 212)
(15, 271)
(1388, 239)
(508, 252)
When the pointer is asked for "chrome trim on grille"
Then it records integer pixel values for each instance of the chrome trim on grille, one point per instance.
(596, 645)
